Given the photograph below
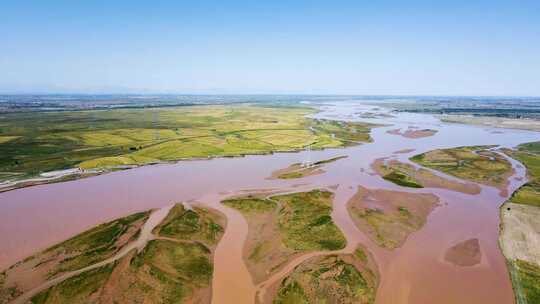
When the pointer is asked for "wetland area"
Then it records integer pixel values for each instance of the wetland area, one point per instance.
(383, 207)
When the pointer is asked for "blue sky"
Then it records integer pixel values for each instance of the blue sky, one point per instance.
(319, 47)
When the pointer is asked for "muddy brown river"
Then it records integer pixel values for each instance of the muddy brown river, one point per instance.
(37, 217)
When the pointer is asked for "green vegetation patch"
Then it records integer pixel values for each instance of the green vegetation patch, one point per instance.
(528, 194)
(5, 139)
(164, 272)
(529, 155)
(328, 279)
(531, 161)
(251, 204)
(400, 178)
(168, 270)
(85, 249)
(96, 244)
(361, 255)
(532, 147)
(188, 224)
(305, 222)
(526, 281)
(349, 132)
(379, 221)
(114, 161)
(78, 289)
(295, 174)
(291, 293)
(190, 261)
(330, 160)
(282, 226)
(475, 163)
(298, 170)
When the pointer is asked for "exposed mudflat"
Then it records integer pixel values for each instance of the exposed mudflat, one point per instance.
(465, 253)
(413, 133)
(296, 171)
(389, 217)
(520, 237)
(403, 151)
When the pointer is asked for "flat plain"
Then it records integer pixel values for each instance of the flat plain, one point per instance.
(34, 143)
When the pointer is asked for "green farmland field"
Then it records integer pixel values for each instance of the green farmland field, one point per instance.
(33, 143)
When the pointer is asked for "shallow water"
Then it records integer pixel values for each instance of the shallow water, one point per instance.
(36, 217)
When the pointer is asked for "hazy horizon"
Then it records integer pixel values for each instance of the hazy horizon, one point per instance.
(148, 93)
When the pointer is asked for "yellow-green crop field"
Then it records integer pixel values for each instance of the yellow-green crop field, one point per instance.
(32, 143)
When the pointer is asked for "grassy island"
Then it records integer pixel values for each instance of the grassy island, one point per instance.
(175, 265)
(282, 226)
(407, 175)
(84, 249)
(330, 279)
(476, 163)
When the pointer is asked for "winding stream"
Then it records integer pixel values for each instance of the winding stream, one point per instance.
(37, 217)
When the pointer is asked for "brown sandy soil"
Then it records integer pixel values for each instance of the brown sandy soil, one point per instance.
(37, 269)
(296, 171)
(389, 217)
(520, 235)
(127, 283)
(326, 279)
(404, 151)
(413, 133)
(465, 253)
(107, 294)
(264, 251)
(425, 177)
